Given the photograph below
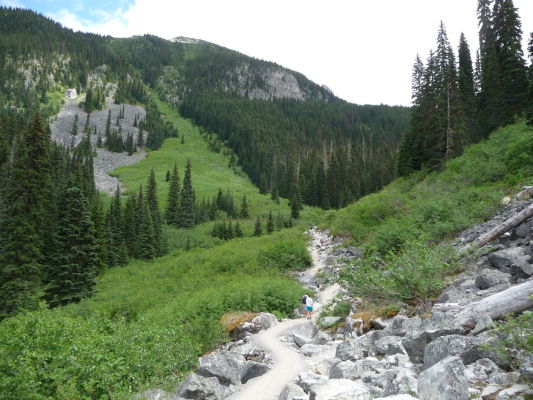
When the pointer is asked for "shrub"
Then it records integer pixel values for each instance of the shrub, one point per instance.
(415, 273)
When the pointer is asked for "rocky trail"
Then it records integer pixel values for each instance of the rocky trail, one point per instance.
(287, 362)
(403, 358)
(105, 161)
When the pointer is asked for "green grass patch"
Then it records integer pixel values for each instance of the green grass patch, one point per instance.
(148, 321)
(437, 205)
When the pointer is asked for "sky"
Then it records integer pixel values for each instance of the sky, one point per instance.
(363, 50)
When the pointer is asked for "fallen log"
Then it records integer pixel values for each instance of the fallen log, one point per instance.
(507, 225)
(514, 300)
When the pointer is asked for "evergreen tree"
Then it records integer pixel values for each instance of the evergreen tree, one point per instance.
(74, 130)
(489, 103)
(530, 97)
(258, 230)
(140, 139)
(153, 204)
(24, 224)
(296, 202)
(72, 276)
(238, 230)
(467, 95)
(244, 213)
(186, 209)
(270, 224)
(86, 128)
(173, 200)
(512, 68)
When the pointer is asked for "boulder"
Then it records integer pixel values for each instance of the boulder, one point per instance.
(330, 260)
(350, 349)
(293, 392)
(354, 370)
(481, 370)
(300, 340)
(394, 381)
(397, 360)
(400, 325)
(503, 259)
(460, 292)
(522, 230)
(466, 347)
(440, 324)
(309, 349)
(201, 388)
(389, 345)
(340, 389)
(322, 338)
(252, 370)
(504, 378)
(522, 270)
(397, 397)
(516, 392)
(265, 321)
(308, 379)
(378, 324)
(307, 329)
(156, 394)
(484, 323)
(329, 321)
(489, 277)
(227, 367)
(445, 380)
(526, 370)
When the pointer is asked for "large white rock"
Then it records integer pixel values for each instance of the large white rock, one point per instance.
(197, 387)
(445, 380)
(293, 392)
(516, 392)
(340, 389)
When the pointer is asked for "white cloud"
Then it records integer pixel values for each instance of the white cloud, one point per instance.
(11, 3)
(363, 50)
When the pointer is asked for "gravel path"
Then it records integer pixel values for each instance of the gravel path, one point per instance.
(288, 363)
(105, 161)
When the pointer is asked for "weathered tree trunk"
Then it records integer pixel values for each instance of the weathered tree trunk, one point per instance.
(516, 299)
(506, 226)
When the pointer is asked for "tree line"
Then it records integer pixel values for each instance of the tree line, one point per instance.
(456, 102)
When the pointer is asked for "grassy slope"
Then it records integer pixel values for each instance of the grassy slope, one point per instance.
(209, 173)
(435, 206)
(405, 226)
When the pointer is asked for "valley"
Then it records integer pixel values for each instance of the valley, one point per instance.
(159, 228)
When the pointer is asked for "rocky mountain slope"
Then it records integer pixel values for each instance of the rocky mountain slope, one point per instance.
(105, 161)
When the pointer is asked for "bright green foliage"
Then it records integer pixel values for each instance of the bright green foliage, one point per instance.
(415, 273)
(133, 335)
(73, 270)
(437, 205)
(186, 209)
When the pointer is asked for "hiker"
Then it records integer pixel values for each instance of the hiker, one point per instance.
(308, 306)
(304, 311)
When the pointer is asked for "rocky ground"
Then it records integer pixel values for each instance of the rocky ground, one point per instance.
(105, 161)
(403, 358)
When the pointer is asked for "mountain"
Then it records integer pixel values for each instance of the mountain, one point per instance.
(290, 135)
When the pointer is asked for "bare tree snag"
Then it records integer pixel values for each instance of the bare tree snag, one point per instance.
(514, 300)
(504, 227)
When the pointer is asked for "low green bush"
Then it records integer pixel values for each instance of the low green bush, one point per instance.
(415, 273)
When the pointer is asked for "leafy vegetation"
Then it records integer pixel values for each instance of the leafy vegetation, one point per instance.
(396, 224)
(148, 321)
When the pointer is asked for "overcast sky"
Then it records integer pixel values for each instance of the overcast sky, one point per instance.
(361, 49)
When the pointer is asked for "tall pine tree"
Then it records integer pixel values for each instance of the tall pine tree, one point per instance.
(173, 199)
(186, 210)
